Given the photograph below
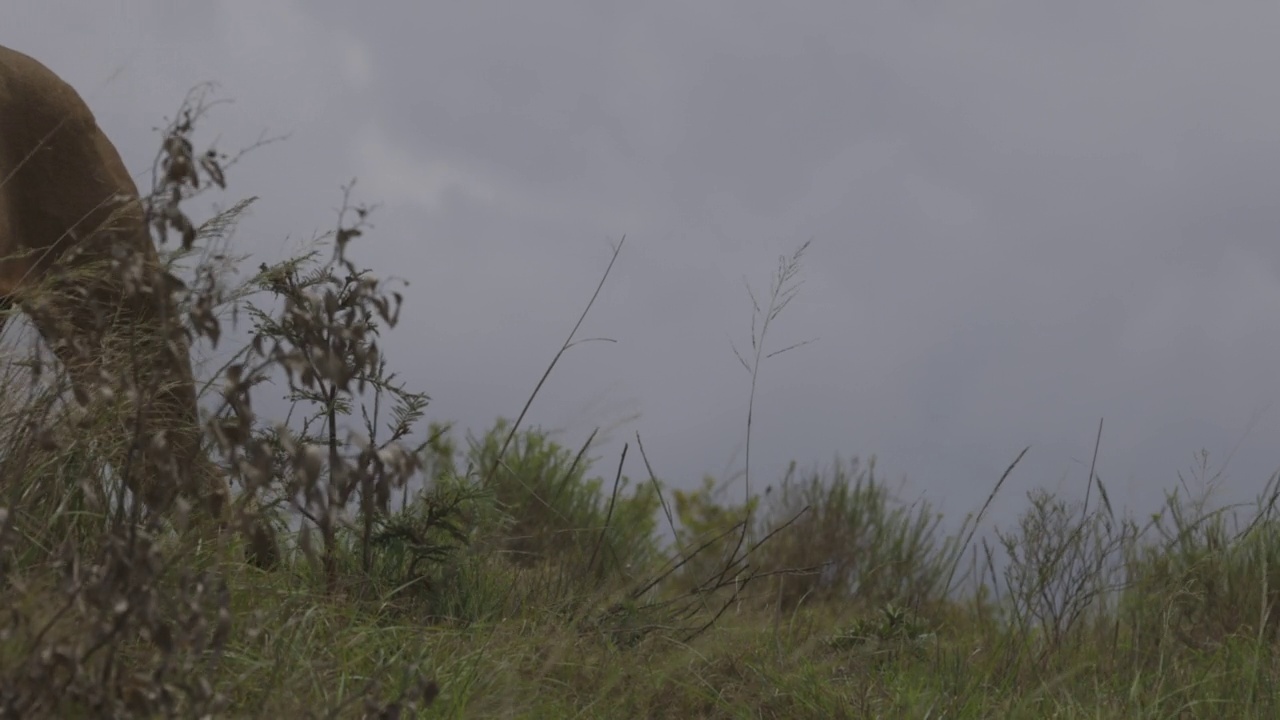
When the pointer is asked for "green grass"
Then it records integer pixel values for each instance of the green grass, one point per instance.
(1188, 632)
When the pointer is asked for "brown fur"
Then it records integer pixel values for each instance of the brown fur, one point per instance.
(66, 200)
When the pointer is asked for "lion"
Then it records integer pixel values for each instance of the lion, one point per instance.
(69, 213)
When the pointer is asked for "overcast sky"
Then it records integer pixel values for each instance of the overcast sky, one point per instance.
(1025, 215)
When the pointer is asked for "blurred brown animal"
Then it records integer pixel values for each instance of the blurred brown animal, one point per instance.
(69, 213)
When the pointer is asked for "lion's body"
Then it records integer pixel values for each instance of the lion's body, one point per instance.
(68, 207)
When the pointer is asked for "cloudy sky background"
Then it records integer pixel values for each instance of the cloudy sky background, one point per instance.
(1025, 215)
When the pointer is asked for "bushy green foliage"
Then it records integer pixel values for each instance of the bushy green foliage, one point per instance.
(707, 522)
(864, 545)
(556, 511)
(837, 535)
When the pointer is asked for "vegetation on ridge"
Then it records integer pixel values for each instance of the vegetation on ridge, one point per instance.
(504, 575)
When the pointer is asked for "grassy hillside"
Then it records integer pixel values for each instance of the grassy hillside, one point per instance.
(502, 574)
